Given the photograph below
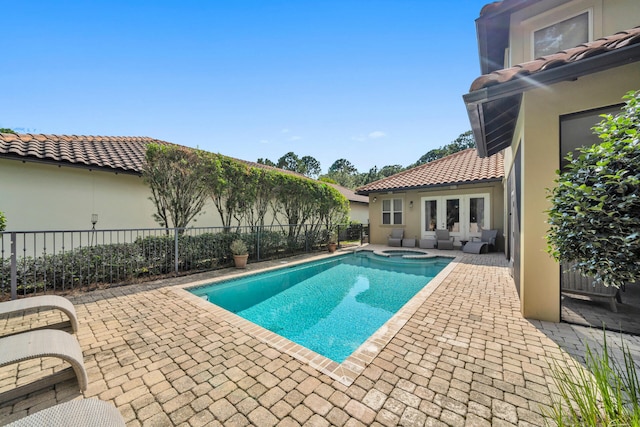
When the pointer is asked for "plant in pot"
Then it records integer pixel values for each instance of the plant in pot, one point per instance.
(332, 245)
(240, 253)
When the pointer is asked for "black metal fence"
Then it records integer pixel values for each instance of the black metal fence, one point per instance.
(34, 262)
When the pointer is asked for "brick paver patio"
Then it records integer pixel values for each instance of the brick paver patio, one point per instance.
(464, 356)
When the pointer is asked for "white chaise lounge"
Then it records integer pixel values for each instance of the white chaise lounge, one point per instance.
(37, 344)
(41, 302)
(77, 413)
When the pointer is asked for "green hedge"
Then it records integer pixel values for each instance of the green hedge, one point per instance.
(146, 257)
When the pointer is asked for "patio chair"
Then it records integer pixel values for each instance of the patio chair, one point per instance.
(38, 344)
(41, 302)
(483, 245)
(395, 238)
(443, 240)
(77, 413)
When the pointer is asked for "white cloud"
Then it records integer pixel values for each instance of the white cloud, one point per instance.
(295, 138)
(285, 130)
(371, 135)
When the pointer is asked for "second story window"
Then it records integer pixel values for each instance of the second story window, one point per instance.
(392, 211)
(562, 35)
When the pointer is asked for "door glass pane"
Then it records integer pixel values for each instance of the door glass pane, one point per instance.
(476, 214)
(430, 215)
(453, 215)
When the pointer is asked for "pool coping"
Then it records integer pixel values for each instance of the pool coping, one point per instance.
(345, 372)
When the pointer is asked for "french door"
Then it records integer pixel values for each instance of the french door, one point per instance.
(465, 216)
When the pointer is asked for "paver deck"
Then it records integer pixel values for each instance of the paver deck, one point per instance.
(465, 356)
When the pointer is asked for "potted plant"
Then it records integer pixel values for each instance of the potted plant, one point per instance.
(240, 253)
(332, 245)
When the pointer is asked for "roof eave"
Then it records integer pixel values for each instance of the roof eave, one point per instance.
(429, 186)
(511, 91)
(25, 159)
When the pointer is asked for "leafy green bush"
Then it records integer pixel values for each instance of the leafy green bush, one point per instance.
(3, 221)
(595, 213)
(145, 257)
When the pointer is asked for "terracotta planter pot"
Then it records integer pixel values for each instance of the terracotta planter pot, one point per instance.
(240, 260)
(332, 247)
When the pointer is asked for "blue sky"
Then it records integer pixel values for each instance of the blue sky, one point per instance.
(375, 82)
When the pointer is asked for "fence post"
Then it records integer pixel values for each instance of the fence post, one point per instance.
(14, 266)
(306, 238)
(175, 251)
(259, 230)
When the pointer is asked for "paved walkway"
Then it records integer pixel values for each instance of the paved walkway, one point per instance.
(465, 356)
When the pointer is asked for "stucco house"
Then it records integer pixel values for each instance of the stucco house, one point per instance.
(358, 204)
(463, 193)
(63, 182)
(549, 69)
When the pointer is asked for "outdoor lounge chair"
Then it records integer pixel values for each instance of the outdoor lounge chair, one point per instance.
(42, 343)
(77, 413)
(483, 245)
(41, 302)
(395, 238)
(443, 240)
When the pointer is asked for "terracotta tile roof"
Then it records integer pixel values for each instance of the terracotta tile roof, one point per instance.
(583, 51)
(464, 167)
(502, 6)
(111, 152)
(120, 153)
(350, 194)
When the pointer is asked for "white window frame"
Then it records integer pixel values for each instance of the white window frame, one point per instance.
(392, 212)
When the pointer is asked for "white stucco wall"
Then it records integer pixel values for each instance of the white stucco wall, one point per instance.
(359, 212)
(39, 196)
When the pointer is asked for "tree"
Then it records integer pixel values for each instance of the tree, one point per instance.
(462, 142)
(7, 130)
(176, 179)
(390, 170)
(289, 162)
(266, 162)
(307, 165)
(226, 180)
(343, 166)
(595, 214)
(310, 167)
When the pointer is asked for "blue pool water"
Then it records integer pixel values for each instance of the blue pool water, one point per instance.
(330, 306)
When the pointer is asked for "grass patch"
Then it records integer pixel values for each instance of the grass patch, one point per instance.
(606, 393)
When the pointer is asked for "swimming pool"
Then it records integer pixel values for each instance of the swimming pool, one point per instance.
(330, 306)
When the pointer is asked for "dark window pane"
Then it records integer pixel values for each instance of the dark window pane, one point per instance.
(397, 218)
